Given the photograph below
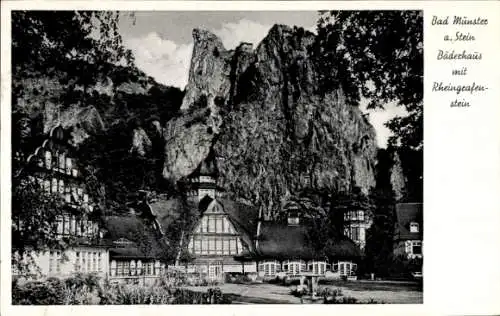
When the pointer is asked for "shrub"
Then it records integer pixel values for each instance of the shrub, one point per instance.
(79, 280)
(238, 278)
(48, 292)
(87, 290)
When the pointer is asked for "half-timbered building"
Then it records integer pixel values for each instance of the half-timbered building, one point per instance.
(408, 230)
(53, 166)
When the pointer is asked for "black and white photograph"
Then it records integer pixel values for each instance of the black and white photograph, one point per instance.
(217, 157)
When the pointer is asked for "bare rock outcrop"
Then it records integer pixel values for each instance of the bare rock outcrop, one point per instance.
(272, 131)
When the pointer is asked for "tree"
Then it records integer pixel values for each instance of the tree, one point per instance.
(379, 237)
(34, 214)
(378, 55)
(57, 56)
(324, 214)
(75, 48)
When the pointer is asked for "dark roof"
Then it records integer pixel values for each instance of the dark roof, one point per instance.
(166, 211)
(276, 240)
(281, 241)
(144, 241)
(244, 217)
(406, 213)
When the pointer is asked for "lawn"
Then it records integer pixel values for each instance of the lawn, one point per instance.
(380, 291)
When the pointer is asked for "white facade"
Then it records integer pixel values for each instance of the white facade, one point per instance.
(410, 248)
(56, 263)
(294, 268)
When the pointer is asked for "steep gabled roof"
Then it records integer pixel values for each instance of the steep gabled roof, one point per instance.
(244, 217)
(406, 213)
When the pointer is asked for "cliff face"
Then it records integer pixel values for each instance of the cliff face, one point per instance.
(126, 94)
(274, 134)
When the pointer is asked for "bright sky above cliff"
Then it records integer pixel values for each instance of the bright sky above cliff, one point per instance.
(162, 43)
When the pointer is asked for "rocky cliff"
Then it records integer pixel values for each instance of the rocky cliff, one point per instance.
(127, 94)
(273, 132)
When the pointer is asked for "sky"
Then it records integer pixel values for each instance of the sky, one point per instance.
(162, 43)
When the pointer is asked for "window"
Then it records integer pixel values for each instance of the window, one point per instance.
(149, 268)
(90, 227)
(94, 261)
(78, 228)
(218, 246)
(74, 195)
(197, 246)
(99, 262)
(317, 267)
(89, 262)
(204, 224)
(60, 225)
(67, 194)
(416, 248)
(73, 226)
(211, 225)
(346, 268)
(54, 185)
(335, 267)
(226, 246)
(219, 225)
(414, 227)
(69, 165)
(361, 215)
(204, 246)
(62, 160)
(239, 246)
(270, 268)
(123, 268)
(46, 186)
(211, 246)
(353, 232)
(77, 261)
(66, 225)
(55, 262)
(232, 246)
(61, 186)
(84, 262)
(139, 267)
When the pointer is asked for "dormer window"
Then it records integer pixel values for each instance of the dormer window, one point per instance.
(69, 165)
(123, 242)
(48, 160)
(293, 218)
(62, 160)
(414, 227)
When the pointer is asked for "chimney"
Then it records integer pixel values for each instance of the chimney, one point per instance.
(143, 196)
(259, 223)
